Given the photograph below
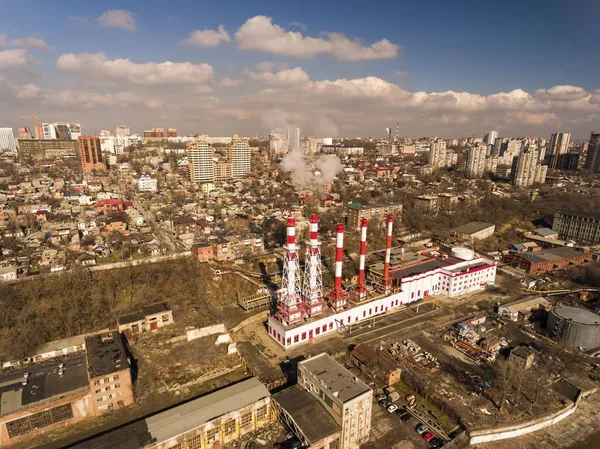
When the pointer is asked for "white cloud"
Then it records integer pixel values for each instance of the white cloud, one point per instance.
(16, 58)
(117, 18)
(259, 33)
(25, 42)
(28, 91)
(285, 78)
(231, 82)
(206, 38)
(99, 66)
(91, 100)
(31, 42)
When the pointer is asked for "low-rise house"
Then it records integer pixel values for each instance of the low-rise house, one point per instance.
(376, 363)
(204, 252)
(476, 230)
(150, 318)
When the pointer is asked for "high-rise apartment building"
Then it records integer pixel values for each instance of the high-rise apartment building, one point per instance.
(222, 171)
(24, 133)
(158, 133)
(592, 161)
(476, 161)
(239, 156)
(63, 132)
(294, 136)
(171, 132)
(527, 168)
(346, 398)
(39, 131)
(49, 131)
(122, 131)
(7, 139)
(437, 154)
(74, 131)
(201, 163)
(490, 137)
(90, 154)
(559, 144)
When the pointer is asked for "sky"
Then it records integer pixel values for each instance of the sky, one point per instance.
(332, 68)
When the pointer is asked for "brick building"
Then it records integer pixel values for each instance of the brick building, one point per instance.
(150, 318)
(203, 251)
(109, 372)
(549, 259)
(90, 153)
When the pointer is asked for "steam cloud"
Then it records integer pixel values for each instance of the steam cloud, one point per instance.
(302, 174)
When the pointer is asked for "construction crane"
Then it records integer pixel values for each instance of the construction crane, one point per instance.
(34, 116)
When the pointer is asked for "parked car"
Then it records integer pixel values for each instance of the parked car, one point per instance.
(406, 417)
(392, 408)
(428, 436)
(436, 443)
(421, 429)
(381, 397)
(384, 403)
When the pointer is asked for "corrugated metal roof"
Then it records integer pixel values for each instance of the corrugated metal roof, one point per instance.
(179, 420)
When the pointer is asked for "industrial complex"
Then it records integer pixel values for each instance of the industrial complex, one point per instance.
(304, 314)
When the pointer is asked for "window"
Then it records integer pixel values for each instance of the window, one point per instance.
(330, 326)
(117, 385)
(107, 388)
(116, 377)
(212, 435)
(96, 383)
(99, 400)
(194, 442)
(288, 341)
(303, 335)
(99, 391)
(317, 331)
(106, 380)
(118, 393)
(165, 318)
(296, 338)
(364, 313)
(229, 427)
(324, 327)
(261, 413)
(246, 420)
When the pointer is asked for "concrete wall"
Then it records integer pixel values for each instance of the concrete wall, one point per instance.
(516, 430)
(193, 334)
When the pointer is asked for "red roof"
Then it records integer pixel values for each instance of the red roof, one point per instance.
(112, 202)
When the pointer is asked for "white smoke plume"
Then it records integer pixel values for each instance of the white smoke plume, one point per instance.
(303, 175)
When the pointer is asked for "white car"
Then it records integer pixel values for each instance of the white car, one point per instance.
(25, 375)
(392, 408)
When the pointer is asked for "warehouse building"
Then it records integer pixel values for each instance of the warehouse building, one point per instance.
(550, 259)
(211, 421)
(476, 230)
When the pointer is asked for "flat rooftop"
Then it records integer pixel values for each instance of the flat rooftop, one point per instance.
(335, 377)
(43, 384)
(180, 419)
(577, 315)
(307, 412)
(550, 255)
(105, 354)
(474, 226)
(152, 309)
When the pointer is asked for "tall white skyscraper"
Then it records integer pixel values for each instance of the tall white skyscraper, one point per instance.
(7, 139)
(239, 157)
(559, 144)
(437, 154)
(294, 137)
(527, 168)
(201, 161)
(476, 161)
(490, 137)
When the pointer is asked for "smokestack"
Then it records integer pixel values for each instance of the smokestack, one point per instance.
(338, 296)
(361, 289)
(312, 291)
(289, 294)
(388, 254)
(339, 256)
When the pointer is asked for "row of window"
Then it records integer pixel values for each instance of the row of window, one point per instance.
(39, 420)
(106, 380)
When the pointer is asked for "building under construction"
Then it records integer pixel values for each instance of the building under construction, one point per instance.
(304, 312)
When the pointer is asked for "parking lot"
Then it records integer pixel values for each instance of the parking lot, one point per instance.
(388, 431)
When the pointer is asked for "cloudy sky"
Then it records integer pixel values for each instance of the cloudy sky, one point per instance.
(524, 68)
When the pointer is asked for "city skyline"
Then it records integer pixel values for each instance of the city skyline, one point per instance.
(215, 70)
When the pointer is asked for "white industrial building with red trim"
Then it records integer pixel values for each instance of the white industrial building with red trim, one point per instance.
(303, 315)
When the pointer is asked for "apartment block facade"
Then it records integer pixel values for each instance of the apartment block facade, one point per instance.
(583, 227)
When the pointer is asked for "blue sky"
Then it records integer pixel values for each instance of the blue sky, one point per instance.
(544, 49)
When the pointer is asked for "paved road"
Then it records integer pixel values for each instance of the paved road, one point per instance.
(165, 237)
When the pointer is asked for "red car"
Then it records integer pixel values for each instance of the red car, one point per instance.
(428, 436)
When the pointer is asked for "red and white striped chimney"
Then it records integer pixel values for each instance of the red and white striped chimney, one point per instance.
(363, 255)
(291, 234)
(388, 253)
(339, 257)
(314, 231)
